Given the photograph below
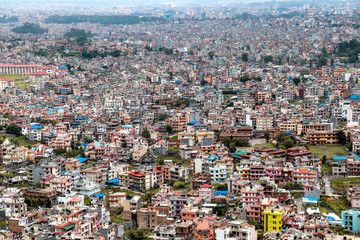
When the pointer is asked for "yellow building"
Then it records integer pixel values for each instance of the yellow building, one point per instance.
(273, 220)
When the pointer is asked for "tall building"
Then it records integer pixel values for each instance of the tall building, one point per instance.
(273, 220)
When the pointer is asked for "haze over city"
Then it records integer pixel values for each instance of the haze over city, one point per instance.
(179, 120)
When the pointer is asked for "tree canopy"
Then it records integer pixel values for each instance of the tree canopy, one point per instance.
(32, 28)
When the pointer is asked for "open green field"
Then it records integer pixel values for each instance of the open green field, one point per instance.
(14, 76)
(21, 140)
(329, 151)
(268, 145)
(337, 204)
(341, 184)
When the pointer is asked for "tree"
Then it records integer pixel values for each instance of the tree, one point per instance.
(221, 208)
(232, 147)
(267, 136)
(203, 82)
(284, 140)
(226, 141)
(145, 133)
(340, 135)
(137, 234)
(211, 55)
(323, 159)
(81, 41)
(221, 187)
(296, 81)
(245, 57)
(244, 78)
(268, 58)
(169, 128)
(13, 129)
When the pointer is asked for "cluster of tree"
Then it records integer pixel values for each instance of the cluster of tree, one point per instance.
(245, 16)
(102, 54)
(350, 49)
(70, 154)
(167, 51)
(292, 186)
(8, 19)
(148, 48)
(160, 117)
(287, 15)
(341, 137)
(246, 78)
(13, 129)
(137, 234)
(232, 144)
(32, 28)
(268, 58)
(285, 141)
(222, 206)
(77, 33)
(37, 202)
(145, 133)
(102, 19)
(182, 102)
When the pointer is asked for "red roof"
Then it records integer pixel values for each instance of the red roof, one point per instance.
(206, 186)
(7, 79)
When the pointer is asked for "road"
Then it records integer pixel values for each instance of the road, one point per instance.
(328, 189)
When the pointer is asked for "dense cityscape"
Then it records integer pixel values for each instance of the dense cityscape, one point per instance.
(179, 120)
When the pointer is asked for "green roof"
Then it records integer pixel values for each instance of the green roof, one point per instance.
(68, 227)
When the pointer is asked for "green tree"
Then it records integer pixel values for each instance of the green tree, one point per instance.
(13, 129)
(245, 57)
(221, 187)
(211, 55)
(267, 136)
(137, 234)
(145, 133)
(221, 208)
(244, 78)
(169, 128)
(340, 135)
(268, 58)
(296, 81)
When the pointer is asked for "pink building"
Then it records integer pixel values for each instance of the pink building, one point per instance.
(252, 194)
(207, 192)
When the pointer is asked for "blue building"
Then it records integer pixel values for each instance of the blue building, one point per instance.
(351, 220)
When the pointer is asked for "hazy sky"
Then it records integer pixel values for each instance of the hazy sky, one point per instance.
(126, 2)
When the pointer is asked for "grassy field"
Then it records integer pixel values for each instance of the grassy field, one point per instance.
(21, 140)
(337, 204)
(323, 210)
(341, 184)
(326, 169)
(19, 80)
(268, 145)
(13, 76)
(329, 151)
(24, 85)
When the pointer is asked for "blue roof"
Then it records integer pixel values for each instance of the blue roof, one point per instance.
(114, 181)
(81, 160)
(221, 193)
(339, 158)
(311, 198)
(192, 123)
(99, 195)
(36, 126)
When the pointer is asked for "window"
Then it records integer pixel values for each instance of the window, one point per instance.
(274, 228)
(274, 222)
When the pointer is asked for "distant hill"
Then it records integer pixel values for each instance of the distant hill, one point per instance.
(31, 28)
(102, 19)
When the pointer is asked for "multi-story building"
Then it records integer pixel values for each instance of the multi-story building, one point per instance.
(273, 220)
(351, 220)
